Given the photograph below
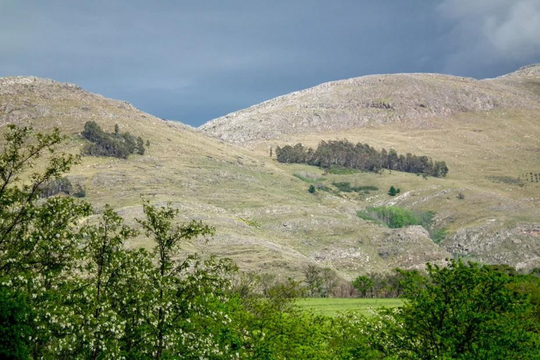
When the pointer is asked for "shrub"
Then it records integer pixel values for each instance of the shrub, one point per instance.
(346, 187)
(396, 217)
(61, 185)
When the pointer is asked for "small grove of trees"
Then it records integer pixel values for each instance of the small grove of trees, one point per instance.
(115, 144)
(397, 217)
(378, 285)
(319, 282)
(359, 156)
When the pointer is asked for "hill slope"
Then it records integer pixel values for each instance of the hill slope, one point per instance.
(411, 99)
(265, 218)
(488, 132)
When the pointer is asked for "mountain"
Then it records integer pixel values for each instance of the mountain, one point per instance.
(411, 99)
(488, 132)
(265, 218)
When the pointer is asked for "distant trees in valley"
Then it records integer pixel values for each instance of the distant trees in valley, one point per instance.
(116, 144)
(359, 156)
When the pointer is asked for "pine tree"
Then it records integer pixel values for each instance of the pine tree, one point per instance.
(392, 191)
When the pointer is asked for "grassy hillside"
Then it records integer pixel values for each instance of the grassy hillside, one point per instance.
(266, 219)
(264, 216)
(488, 132)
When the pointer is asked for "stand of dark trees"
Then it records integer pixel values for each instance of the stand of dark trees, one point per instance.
(360, 156)
(378, 285)
(111, 144)
(61, 185)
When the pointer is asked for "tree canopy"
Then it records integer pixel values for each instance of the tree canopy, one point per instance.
(359, 156)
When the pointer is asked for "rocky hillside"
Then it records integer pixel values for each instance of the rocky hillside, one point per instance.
(487, 131)
(264, 216)
(411, 99)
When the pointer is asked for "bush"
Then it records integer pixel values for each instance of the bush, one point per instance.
(346, 187)
(396, 217)
(61, 185)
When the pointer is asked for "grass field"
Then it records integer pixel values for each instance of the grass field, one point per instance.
(331, 306)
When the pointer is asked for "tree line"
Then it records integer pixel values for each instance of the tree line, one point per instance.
(359, 156)
(72, 288)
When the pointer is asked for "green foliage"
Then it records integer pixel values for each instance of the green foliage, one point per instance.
(392, 191)
(73, 290)
(462, 311)
(311, 189)
(437, 235)
(341, 170)
(342, 154)
(377, 285)
(140, 146)
(319, 282)
(309, 178)
(363, 284)
(111, 144)
(397, 217)
(346, 187)
(15, 320)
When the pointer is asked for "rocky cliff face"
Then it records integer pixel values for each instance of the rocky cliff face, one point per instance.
(411, 99)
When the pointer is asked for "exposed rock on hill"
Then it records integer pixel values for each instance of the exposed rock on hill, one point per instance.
(265, 218)
(411, 99)
(487, 131)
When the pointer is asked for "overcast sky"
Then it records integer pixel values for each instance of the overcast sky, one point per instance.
(196, 60)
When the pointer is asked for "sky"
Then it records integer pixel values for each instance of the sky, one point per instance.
(193, 61)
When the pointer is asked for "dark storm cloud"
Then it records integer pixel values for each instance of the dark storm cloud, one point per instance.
(196, 60)
(490, 36)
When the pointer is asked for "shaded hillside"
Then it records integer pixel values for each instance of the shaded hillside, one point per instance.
(410, 99)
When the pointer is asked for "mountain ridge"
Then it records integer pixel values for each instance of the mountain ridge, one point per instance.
(370, 101)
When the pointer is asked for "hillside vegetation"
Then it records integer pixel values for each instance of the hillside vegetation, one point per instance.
(268, 221)
(487, 132)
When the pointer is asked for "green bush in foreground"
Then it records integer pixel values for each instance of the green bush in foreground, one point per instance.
(462, 311)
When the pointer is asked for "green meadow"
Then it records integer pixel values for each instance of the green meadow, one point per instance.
(332, 306)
